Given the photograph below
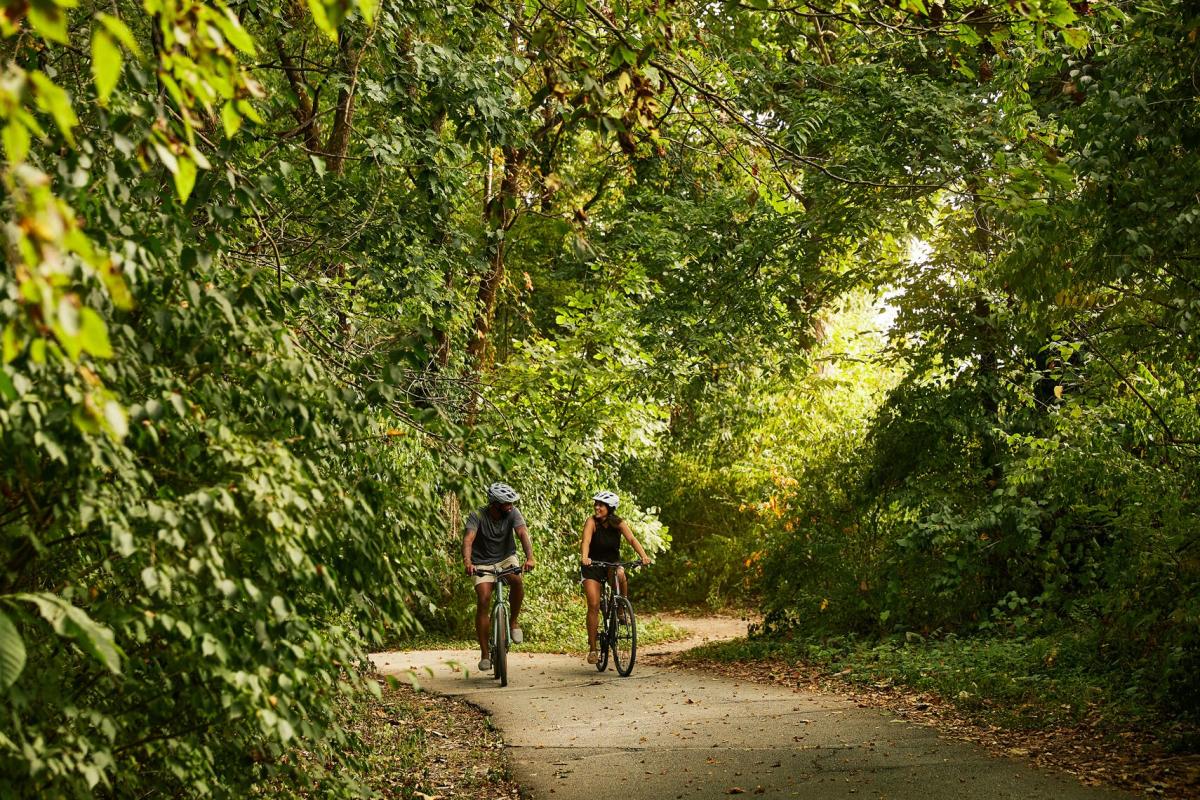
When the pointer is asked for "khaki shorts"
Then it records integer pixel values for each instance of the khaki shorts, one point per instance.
(499, 566)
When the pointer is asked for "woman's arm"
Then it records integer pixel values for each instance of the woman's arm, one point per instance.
(588, 528)
(633, 542)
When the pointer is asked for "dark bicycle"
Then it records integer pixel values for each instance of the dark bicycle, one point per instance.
(498, 640)
(618, 626)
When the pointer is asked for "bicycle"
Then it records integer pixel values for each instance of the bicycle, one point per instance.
(498, 639)
(618, 630)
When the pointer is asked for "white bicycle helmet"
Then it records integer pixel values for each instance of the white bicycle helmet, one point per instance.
(609, 499)
(502, 493)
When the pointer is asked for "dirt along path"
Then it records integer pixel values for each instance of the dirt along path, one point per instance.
(575, 734)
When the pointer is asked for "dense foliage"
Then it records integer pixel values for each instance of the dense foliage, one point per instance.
(1018, 453)
(285, 286)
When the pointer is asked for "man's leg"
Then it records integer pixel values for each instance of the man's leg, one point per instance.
(516, 589)
(483, 599)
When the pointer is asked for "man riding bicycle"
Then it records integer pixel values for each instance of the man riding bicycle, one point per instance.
(490, 541)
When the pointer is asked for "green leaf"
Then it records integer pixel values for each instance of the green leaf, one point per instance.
(115, 419)
(49, 20)
(52, 99)
(231, 119)
(67, 620)
(106, 65)
(1061, 13)
(16, 142)
(247, 110)
(8, 342)
(118, 290)
(93, 334)
(235, 33)
(48, 444)
(1076, 37)
(368, 8)
(8, 392)
(120, 31)
(185, 178)
(167, 158)
(321, 18)
(12, 652)
(968, 36)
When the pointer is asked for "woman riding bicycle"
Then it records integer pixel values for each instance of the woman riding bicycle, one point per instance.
(602, 534)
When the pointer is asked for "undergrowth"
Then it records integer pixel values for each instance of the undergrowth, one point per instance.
(552, 624)
(1033, 682)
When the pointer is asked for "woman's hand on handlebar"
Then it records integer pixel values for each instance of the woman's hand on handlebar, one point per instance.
(587, 562)
(645, 561)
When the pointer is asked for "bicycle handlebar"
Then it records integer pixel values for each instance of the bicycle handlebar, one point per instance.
(630, 564)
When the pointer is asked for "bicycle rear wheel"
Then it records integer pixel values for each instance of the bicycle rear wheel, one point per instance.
(500, 651)
(624, 643)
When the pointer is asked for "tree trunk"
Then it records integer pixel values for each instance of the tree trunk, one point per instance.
(499, 213)
(338, 143)
(306, 110)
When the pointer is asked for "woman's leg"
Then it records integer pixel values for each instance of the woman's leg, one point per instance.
(623, 585)
(591, 591)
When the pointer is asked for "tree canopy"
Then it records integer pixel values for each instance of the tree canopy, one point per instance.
(881, 314)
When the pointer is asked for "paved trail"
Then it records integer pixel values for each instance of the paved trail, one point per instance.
(576, 734)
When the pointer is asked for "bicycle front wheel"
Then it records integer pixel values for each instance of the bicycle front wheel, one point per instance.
(500, 650)
(624, 642)
(603, 637)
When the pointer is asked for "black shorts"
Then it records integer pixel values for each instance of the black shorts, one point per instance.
(593, 573)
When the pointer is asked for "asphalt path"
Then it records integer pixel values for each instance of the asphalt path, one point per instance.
(576, 734)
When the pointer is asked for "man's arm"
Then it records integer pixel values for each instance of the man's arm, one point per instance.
(468, 541)
(527, 546)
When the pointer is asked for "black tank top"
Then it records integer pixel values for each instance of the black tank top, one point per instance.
(606, 540)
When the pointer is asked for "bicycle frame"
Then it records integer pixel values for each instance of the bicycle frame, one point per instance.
(498, 639)
(614, 604)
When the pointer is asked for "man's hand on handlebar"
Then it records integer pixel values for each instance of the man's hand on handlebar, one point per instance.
(470, 568)
(528, 567)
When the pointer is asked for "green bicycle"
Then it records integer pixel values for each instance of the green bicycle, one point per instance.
(498, 639)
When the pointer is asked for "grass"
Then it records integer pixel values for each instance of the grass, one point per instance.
(1028, 682)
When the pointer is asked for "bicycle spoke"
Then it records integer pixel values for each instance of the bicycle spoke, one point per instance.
(624, 643)
(500, 654)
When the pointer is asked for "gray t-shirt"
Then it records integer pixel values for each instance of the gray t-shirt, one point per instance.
(494, 539)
